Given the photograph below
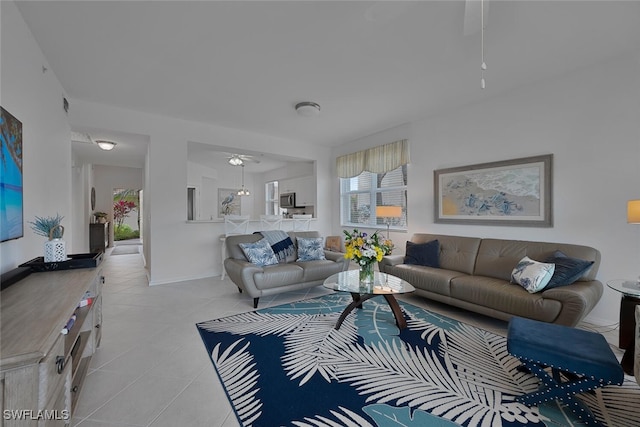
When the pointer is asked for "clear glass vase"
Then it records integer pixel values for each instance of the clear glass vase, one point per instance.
(366, 273)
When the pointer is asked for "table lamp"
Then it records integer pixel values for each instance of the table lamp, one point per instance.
(633, 211)
(388, 212)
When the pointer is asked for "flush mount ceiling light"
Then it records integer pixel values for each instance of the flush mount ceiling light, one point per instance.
(307, 109)
(106, 145)
(235, 160)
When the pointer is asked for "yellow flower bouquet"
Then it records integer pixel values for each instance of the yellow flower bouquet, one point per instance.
(365, 250)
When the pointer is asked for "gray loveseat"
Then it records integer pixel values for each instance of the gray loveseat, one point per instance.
(273, 279)
(475, 274)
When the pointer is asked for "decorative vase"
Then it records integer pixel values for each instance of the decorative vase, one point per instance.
(366, 273)
(55, 249)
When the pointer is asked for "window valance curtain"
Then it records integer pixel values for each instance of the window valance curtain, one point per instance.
(381, 159)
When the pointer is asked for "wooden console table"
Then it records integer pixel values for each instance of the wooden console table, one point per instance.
(41, 369)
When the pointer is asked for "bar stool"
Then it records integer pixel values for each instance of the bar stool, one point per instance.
(233, 224)
(270, 222)
(301, 222)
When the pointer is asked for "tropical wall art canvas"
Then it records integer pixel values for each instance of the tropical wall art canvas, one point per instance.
(514, 192)
(11, 198)
(228, 202)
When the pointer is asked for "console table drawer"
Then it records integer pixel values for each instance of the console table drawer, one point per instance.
(57, 413)
(53, 370)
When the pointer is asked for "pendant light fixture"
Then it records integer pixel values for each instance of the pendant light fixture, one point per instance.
(243, 191)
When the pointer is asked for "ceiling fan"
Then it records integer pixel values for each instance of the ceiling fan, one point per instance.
(475, 19)
(240, 159)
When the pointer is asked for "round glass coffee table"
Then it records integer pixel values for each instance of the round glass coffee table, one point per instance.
(630, 290)
(383, 284)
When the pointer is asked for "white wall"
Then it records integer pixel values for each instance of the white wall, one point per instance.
(587, 119)
(108, 178)
(177, 250)
(292, 170)
(205, 180)
(81, 184)
(208, 180)
(35, 98)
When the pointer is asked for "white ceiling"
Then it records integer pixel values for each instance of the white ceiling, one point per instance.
(130, 150)
(370, 65)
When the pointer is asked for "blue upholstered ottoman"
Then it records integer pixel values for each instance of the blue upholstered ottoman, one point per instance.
(566, 360)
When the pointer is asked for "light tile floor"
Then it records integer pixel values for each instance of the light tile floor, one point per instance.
(152, 369)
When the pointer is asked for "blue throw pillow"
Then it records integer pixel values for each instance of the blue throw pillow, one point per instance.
(427, 254)
(568, 269)
(310, 249)
(259, 253)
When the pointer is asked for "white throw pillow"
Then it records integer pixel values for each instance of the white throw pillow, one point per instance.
(532, 275)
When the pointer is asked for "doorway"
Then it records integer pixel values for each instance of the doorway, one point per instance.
(127, 216)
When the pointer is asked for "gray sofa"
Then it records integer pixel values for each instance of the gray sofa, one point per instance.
(274, 279)
(475, 274)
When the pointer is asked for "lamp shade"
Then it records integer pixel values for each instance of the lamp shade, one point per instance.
(633, 211)
(388, 211)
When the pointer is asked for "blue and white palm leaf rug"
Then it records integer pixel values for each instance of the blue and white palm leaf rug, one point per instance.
(288, 366)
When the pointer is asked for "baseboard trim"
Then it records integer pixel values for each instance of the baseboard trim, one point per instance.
(177, 280)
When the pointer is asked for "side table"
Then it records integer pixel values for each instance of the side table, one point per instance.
(630, 291)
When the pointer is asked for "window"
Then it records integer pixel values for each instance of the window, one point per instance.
(271, 198)
(360, 195)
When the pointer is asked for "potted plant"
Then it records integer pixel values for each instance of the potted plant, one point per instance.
(51, 228)
(101, 217)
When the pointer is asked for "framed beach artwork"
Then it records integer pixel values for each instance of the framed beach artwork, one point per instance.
(11, 197)
(228, 202)
(514, 192)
